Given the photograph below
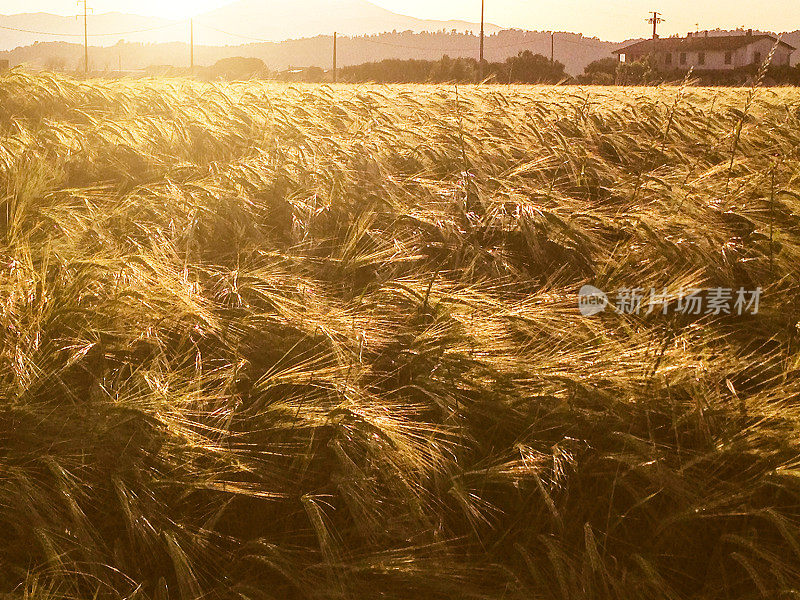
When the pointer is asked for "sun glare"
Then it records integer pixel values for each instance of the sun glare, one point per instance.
(183, 9)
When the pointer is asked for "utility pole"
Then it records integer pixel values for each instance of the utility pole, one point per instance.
(85, 35)
(552, 48)
(191, 45)
(655, 21)
(483, 32)
(335, 74)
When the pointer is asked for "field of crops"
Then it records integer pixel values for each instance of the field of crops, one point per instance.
(271, 342)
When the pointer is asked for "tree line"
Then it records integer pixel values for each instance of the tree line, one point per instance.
(525, 67)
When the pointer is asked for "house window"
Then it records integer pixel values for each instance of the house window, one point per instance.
(757, 58)
(668, 58)
(683, 58)
(729, 58)
(701, 58)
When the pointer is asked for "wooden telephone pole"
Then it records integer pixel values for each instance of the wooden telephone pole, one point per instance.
(655, 21)
(191, 45)
(335, 66)
(483, 32)
(552, 47)
(85, 35)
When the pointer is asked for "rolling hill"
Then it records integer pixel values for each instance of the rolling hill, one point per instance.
(275, 20)
(241, 21)
(106, 29)
(574, 50)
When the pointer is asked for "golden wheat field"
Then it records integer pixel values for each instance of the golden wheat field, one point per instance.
(309, 342)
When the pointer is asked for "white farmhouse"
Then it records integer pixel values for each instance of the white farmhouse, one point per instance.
(707, 52)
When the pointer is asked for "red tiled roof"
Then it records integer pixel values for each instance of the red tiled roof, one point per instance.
(723, 43)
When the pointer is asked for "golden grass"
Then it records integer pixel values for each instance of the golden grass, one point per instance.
(260, 341)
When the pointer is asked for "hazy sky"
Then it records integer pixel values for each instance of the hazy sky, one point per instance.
(614, 20)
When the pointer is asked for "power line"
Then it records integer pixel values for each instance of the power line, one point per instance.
(41, 32)
(244, 37)
(91, 35)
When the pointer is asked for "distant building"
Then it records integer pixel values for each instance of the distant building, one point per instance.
(707, 52)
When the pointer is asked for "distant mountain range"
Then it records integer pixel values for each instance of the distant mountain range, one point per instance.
(30, 28)
(282, 34)
(276, 20)
(242, 21)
